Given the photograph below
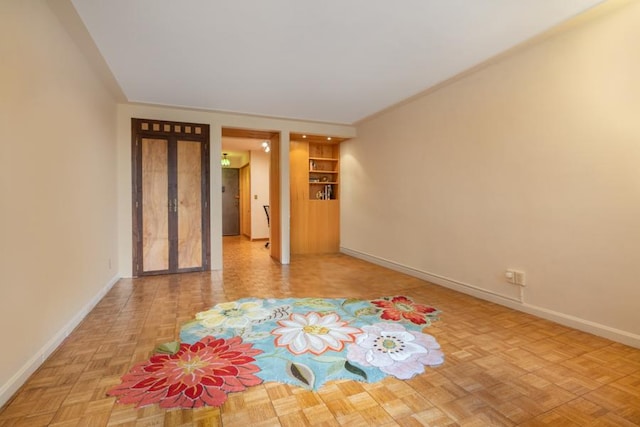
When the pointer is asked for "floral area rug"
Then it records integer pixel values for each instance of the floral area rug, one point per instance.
(304, 342)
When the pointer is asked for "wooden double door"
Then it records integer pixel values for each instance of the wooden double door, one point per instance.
(170, 164)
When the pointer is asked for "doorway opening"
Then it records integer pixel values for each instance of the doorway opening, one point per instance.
(255, 169)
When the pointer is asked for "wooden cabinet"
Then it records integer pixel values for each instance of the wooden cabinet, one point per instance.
(315, 208)
(323, 171)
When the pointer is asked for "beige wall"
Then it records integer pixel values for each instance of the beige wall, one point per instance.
(58, 224)
(259, 189)
(532, 163)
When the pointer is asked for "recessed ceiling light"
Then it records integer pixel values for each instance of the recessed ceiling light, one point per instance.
(328, 138)
(304, 136)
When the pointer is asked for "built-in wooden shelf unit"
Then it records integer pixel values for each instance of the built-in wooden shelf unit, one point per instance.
(315, 194)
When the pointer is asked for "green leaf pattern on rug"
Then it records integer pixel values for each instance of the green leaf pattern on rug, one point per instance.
(302, 373)
(167, 348)
(366, 311)
(335, 368)
(336, 364)
(355, 370)
(317, 303)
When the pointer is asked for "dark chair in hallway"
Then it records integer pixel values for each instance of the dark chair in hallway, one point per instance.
(266, 211)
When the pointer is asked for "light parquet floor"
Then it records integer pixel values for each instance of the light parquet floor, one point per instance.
(502, 367)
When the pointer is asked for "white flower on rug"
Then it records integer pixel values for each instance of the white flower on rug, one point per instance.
(395, 350)
(233, 314)
(314, 333)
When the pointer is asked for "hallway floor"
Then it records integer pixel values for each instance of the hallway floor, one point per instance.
(502, 367)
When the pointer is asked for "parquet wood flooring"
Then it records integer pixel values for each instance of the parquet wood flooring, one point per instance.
(502, 367)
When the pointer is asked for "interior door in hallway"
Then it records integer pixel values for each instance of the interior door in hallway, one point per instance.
(170, 165)
(230, 202)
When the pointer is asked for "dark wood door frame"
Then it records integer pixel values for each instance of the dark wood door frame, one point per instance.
(172, 132)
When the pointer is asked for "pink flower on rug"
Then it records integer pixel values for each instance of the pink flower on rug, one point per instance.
(395, 350)
(398, 308)
(314, 333)
(197, 375)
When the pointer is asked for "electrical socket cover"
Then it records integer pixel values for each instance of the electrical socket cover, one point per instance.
(515, 277)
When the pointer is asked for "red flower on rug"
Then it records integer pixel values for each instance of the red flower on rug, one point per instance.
(399, 307)
(197, 375)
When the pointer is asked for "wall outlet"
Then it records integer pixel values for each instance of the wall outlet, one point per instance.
(514, 276)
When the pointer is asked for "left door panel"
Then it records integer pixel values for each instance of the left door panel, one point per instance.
(156, 207)
(170, 164)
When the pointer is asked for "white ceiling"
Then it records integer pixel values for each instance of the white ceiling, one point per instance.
(333, 61)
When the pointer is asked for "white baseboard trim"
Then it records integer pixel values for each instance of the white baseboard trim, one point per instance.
(584, 325)
(19, 378)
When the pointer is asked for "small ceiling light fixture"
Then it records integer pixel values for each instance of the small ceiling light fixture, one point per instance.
(224, 161)
(266, 146)
(304, 136)
(328, 138)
